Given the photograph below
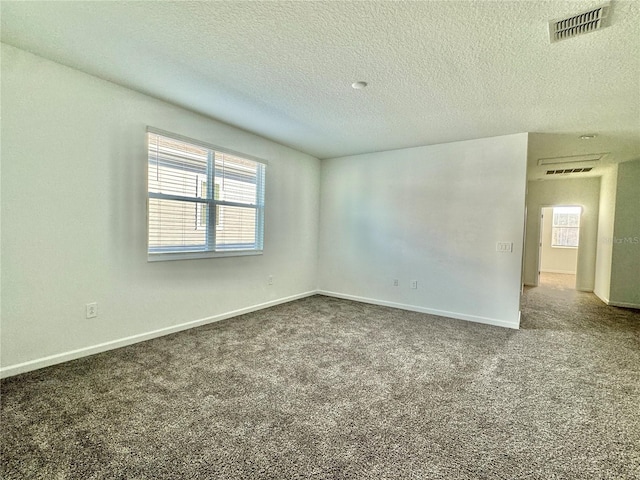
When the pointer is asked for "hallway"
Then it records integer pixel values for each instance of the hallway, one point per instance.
(556, 305)
(563, 281)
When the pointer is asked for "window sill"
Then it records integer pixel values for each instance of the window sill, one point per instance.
(164, 257)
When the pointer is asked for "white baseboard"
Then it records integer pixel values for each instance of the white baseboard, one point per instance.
(604, 299)
(565, 272)
(432, 311)
(43, 362)
(623, 304)
(122, 342)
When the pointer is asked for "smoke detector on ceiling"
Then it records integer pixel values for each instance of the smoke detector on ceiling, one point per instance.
(579, 24)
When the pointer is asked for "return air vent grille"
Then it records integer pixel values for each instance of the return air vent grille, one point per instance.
(574, 161)
(579, 24)
(569, 170)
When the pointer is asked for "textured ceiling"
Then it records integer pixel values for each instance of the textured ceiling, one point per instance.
(437, 71)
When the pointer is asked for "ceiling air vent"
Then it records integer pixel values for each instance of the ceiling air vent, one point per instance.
(589, 159)
(569, 170)
(585, 22)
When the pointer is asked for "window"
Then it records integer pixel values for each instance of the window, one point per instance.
(203, 201)
(565, 230)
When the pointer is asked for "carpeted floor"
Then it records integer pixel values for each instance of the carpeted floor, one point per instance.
(324, 388)
(558, 280)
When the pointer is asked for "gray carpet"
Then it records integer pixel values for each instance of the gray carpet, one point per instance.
(324, 388)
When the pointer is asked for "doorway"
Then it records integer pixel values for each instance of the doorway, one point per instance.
(559, 245)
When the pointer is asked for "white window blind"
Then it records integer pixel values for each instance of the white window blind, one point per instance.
(202, 201)
(565, 231)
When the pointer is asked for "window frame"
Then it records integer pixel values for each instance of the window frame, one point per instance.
(209, 251)
(555, 227)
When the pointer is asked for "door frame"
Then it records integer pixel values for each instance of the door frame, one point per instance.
(539, 247)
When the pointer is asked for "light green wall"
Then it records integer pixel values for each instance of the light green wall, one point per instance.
(625, 261)
(74, 219)
(429, 214)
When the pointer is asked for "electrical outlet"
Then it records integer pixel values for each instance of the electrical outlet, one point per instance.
(395, 282)
(270, 279)
(414, 284)
(504, 247)
(92, 310)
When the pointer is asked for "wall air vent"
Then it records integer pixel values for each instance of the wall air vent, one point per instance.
(581, 23)
(569, 170)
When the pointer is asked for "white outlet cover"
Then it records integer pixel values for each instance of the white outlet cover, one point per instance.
(92, 310)
(504, 247)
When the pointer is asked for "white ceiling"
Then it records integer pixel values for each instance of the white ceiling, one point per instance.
(438, 71)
